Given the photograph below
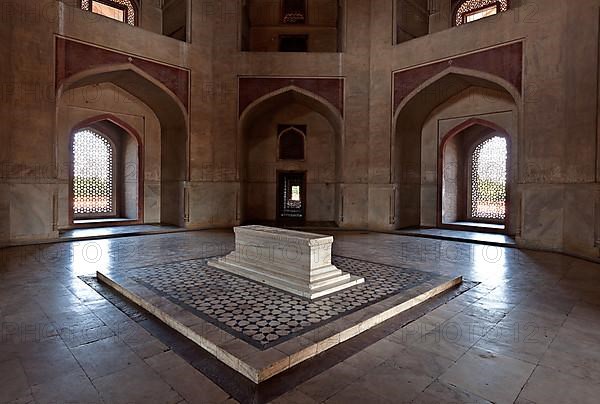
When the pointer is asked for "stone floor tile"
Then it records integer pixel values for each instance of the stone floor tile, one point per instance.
(147, 349)
(438, 316)
(72, 322)
(46, 360)
(294, 397)
(113, 317)
(522, 318)
(456, 305)
(576, 353)
(420, 361)
(56, 306)
(521, 400)
(394, 383)
(134, 334)
(164, 361)
(482, 314)
(384, 348)
(193, 386)
(491, 376)
(450, 345)
(549, 386)
(550, 304)
(583, 318)
(135, 384)
(77, 336)
(105, 357)
(465, 329)
(70, 388)
(439, 393)
(364, 361)
(326, 384)
(355, 392)
(527, 343)
(23, 321)
(13, 381)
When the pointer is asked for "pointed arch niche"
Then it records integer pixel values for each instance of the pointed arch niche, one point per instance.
(126, 100)
(309, 119)
(436, 127)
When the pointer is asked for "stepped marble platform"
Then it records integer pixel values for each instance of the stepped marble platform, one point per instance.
(294, 261)
(261, 331)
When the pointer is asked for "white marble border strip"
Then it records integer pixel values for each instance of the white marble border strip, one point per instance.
(258, 365)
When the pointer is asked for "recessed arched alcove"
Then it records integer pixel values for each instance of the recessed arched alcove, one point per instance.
(154, 112)
(423, 120)
(310, 176)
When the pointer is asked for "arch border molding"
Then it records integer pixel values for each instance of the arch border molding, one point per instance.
(251, 89)
(73, 57)
(505, 62)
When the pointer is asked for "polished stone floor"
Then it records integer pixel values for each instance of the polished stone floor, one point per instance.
(104, 232)
(528, 333)
(117, 231)
(500, 240)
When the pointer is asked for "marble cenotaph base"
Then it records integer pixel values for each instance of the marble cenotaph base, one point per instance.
(261, 331)
(293, 261)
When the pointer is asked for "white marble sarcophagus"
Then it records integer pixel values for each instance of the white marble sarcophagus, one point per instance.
(297, 262)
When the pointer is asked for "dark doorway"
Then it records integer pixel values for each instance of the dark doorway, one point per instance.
(293, 43)
(291, 197)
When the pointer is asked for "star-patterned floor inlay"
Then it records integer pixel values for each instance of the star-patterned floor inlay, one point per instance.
(264, 316)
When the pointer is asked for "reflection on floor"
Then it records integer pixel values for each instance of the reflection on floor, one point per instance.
(118, 231)
(528, 333)
(97, 233)
(499, 240)
(481, 225)
(102, 221)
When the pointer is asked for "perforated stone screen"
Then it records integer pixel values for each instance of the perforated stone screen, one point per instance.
(488, 179)
(93, 174)
(470, 7)
(294, 11)
(125, 5)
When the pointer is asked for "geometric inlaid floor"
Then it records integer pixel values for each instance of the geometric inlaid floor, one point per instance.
(264, 316)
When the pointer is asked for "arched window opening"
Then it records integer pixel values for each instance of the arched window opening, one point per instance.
(120, 10)
(473, 10)
(93, 175)
(291, 142)
(488, 180)
(294, 11)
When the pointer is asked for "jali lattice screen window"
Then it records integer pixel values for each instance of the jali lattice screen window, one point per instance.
(488, 180)
(472, 10)
(120, 10)
(93, 175)
(294, 11)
